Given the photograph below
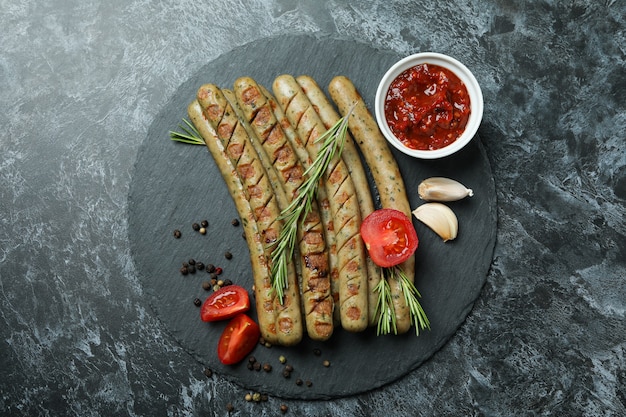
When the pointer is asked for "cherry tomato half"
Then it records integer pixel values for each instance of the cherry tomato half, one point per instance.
(238, 339)
(225, 303)
(389, 237)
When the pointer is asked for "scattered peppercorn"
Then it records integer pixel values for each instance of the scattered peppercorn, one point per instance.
(256, 397)
(282, 359)
(202, 231)
(191, 269)
(284, 408)
(286, 374)
(235, 222)
(208, 373)
(191, 261)
(264, 397)
(195, 226)
(206, 285)
(299, 382)
(204, 223)
(248, 397)
(227, 282)
(184, 270)
(257, 366)
(309, 383)
(230, 407)
(177, 234)
(289, 368)
(210, 268)
(267, 367)
(326, 363)
(228, 255)
(317, 352)
(199, 266)
(197, 302)
(219, 270)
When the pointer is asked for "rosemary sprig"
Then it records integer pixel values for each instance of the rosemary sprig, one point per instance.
(384, 306)
(190, 135)
(300, 207)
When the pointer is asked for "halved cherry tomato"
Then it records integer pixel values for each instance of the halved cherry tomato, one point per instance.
(389, 237)
(225, 303)
(238, 339)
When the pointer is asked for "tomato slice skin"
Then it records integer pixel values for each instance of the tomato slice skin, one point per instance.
(238, 339)
(225, 303)
(389, 237)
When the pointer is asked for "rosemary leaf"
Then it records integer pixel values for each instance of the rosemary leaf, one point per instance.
(190, 135)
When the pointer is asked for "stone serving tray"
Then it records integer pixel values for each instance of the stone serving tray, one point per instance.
(174, 185)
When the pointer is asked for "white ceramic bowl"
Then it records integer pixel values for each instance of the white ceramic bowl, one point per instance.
(464, 74)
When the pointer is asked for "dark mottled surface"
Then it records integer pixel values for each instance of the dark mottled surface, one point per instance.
(81, 83)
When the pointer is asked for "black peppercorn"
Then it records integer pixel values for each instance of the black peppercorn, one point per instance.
(267, 367)
(210, 268)
(284, 408)
(227, 282)
(199, 266)
(204, 223)
(230, 408)
(177, 234)
(191, 269)
(192, 261)
(184, 270)
(206, 285)
(228, 255)
(299, 381)
(208, 372)
(195, 226)
(197, 302)
(235, 222)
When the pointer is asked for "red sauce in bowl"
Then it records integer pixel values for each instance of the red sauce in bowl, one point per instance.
(427, 107)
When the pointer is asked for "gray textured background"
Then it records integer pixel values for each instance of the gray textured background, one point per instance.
(80, 83)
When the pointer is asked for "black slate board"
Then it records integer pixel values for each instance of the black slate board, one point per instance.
(174, 185)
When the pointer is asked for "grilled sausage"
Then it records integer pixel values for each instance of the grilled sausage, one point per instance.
(276, 147)
(237, 144)
(384, 169)
(264, 298)
(351, 156)
(343, 203)
(322, 200)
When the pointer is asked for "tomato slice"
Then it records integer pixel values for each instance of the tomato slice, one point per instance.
(225, 303)
(389, 237)
(238, 339)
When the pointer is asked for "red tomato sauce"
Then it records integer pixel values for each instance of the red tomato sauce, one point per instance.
(427, 107)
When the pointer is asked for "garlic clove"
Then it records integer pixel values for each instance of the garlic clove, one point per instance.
(440, 218)
(443, 189)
